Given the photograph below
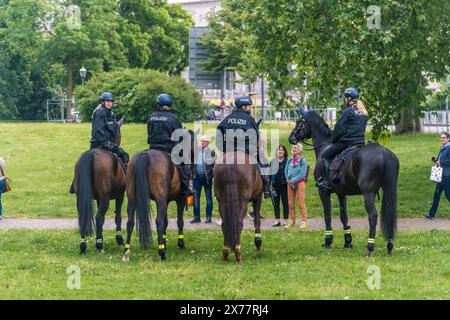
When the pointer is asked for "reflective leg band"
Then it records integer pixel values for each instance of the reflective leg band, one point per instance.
(162, 246)
(226, 248)
(238, 247)
(127, 246)
(82, 240)
(165, 236)
(99, 241)
(348, 231)
(181, 236)
(329, 232)
(119, 233)
(371, 240)
(257, 235)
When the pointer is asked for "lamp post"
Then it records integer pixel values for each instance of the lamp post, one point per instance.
(83, 73)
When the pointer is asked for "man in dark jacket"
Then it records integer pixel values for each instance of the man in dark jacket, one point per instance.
(105, 128)
(203, 178)
(160, 126)
(350, 130)
(239, 132)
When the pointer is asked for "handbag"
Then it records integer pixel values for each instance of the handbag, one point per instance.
(436, 174)
(7, 183)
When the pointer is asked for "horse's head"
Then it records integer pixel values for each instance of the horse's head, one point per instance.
(118, 135)
(302, 130)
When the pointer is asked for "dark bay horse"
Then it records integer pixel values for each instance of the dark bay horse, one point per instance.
(153, 175)
(236, 183)
(368, 169)
(99, 176)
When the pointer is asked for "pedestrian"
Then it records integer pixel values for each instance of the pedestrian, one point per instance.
(203, 178)
(296, 170)
(442, 160)
(2, 184)
(280, 186)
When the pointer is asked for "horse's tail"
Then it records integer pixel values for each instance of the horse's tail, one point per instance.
(142, 199)
(85, 193)
(232, 212)
(389, 201)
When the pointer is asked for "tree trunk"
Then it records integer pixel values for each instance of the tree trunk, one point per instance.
(69, 88)
(408, 122)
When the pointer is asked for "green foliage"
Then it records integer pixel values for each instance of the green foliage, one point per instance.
(329, 44)
(43, 48)
(136, 91)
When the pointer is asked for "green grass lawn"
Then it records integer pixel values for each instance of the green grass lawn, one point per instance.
(292, 265)
(40, 159)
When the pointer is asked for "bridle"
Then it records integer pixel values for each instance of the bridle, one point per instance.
(301, 124)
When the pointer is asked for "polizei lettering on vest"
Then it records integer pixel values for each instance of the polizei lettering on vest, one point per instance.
(158, 118)
(241, 122)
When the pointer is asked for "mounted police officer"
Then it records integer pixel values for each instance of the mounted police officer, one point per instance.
(241, 119)
(105, 128)
(350, 130)
(160, 126)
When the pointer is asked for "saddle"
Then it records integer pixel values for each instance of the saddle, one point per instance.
(338, 162)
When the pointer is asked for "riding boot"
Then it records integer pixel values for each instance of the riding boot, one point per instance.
(186, 187)
(325, 182)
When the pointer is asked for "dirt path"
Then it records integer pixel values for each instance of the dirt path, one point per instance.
(314, 224)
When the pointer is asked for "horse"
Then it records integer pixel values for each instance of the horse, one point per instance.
(153, 175)
(99, 176)
(236, 183)
(367, 169)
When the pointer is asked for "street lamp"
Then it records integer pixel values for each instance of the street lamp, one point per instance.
(83, 73)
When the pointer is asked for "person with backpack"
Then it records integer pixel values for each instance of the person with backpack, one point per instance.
(296, 175)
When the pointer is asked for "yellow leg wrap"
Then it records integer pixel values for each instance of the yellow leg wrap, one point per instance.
(238, 247)
(162, 246)
(348, 231)
(257, 235)
(371, 240)
(181, 236)
(127, 246)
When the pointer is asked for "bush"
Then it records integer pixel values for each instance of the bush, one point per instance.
(135, 91)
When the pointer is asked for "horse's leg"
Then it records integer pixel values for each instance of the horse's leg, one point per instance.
(118, 219)
(160, 226)
(131, 210)
(369, 203)
(237, 248)
(344, 220)
(325, 197)
(180, 222)
(257, 223)
(103, 206)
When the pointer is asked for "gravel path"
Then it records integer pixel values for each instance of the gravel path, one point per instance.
(314, 224)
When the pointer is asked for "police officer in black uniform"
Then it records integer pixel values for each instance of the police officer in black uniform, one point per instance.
(105, 128)
(160, 126)
(350, 130)
(240, 118)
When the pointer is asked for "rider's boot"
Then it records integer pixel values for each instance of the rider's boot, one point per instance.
(324, 183)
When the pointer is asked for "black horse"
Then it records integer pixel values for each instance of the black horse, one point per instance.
(367, 169)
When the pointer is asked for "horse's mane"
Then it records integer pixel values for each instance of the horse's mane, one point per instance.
(316, 121)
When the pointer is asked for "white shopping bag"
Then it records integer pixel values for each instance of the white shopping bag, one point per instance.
(436, 174)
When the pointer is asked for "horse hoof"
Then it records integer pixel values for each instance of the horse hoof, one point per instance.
(83, 248)
(181, 244)
(163, 257)
(369, 253)
(390, 247)
(238, 262)
(119, 240)
(348, 246)
(326, 246)
(100, 251)
(126, 256)
(258, 243)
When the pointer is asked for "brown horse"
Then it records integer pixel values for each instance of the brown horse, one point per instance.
(236, 183)
(153, 175)
(99, 175)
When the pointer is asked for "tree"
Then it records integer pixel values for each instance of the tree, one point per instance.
(327, 43)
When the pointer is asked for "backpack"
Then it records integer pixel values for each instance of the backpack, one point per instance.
(307, 173)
